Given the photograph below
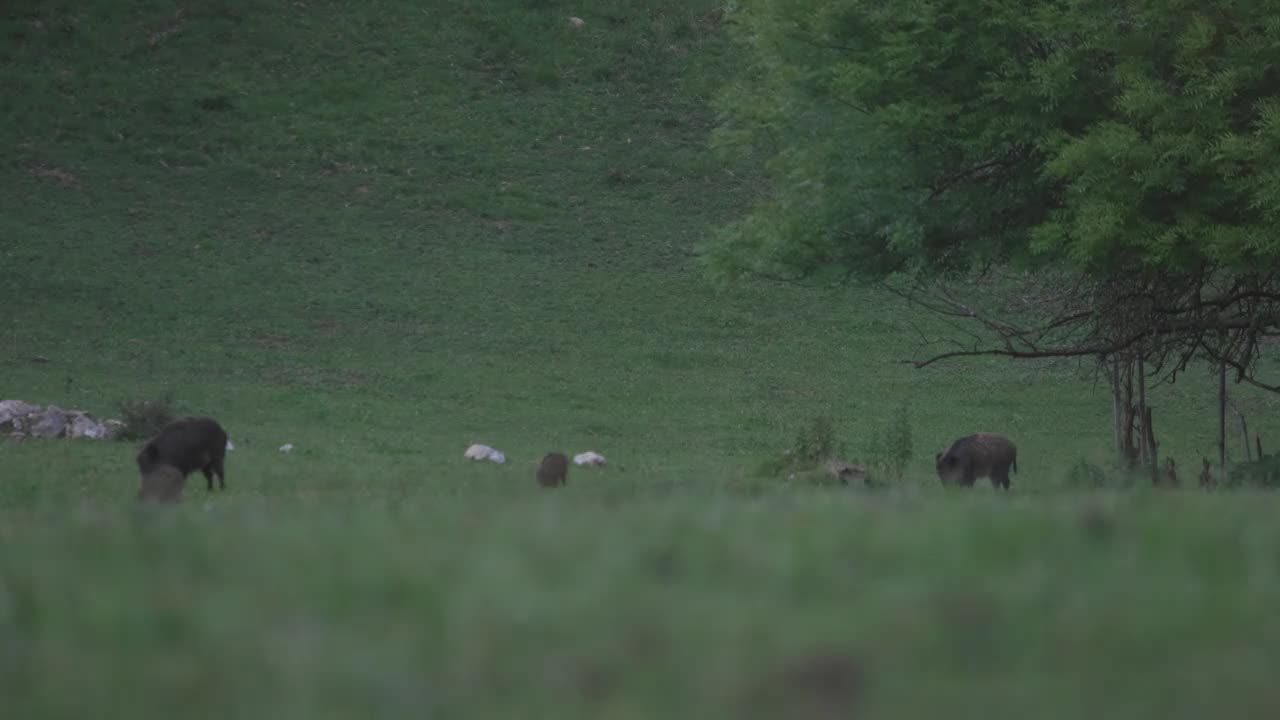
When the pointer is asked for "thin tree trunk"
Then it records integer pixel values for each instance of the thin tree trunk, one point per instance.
(1150, 433)
(1117, 415)
(1128, 382)
(1130, 449)
(1244, 430)
(1244, 435)
(1222, 416)
(1144, 453)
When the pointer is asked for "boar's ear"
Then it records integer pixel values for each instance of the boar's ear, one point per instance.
(937, 457)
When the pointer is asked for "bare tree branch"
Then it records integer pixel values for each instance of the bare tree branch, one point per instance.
(1168, 319)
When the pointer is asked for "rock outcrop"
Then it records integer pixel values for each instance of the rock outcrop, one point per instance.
(21, 420)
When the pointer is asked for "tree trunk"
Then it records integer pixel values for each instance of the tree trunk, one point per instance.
(1144, 450)
(1150, 439)
(1128, 383)
(1244, 434)
(1130, 449)
(1117, 415)
(1222, 417)
(1244, 430)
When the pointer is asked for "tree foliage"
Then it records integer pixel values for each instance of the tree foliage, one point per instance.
(1126, 151)
(927, 135)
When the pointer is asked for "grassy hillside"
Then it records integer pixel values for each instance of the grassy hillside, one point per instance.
(386, 230)
(382, 231)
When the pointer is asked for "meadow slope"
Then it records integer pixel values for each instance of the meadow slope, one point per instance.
(382, 231)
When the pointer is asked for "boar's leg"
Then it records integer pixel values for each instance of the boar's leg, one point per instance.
(218, 468)
(1000, 477)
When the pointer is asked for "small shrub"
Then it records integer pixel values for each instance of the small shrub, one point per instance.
(891, 448)
(1084, 474)
(814, 443)
(1261, 473)
(812, 446)
(1111, 472)
(144, 418)
(772, 467)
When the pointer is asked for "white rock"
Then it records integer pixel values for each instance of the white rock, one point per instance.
(590, 458)
(51, 424)
(84, 426)
(576, 22)
(287, 447)
(18, 417)
(10, 409)
(113, 428)
(484, 452)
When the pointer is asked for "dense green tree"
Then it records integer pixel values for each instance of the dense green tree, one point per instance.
(929, 135)
(1080, 177)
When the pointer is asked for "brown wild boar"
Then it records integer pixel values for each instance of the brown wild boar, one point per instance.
(188, 444)
(554, 470)
(162, 483)
(978, 455)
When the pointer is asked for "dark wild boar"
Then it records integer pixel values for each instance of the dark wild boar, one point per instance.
(188, 444)
(978, 455)
(554, 470)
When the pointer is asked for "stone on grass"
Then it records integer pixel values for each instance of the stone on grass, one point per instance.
(21, 420)
(13, 409)
(51, 423)
(590, 458)
(846, 472)
(114, 428)
(484, 452)
(84, 426)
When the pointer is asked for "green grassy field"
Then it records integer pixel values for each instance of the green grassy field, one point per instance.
(384, 231)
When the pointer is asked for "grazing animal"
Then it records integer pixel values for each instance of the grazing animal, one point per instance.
(978, 455)
(188, 444)
(553, 470)
(162, 483)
